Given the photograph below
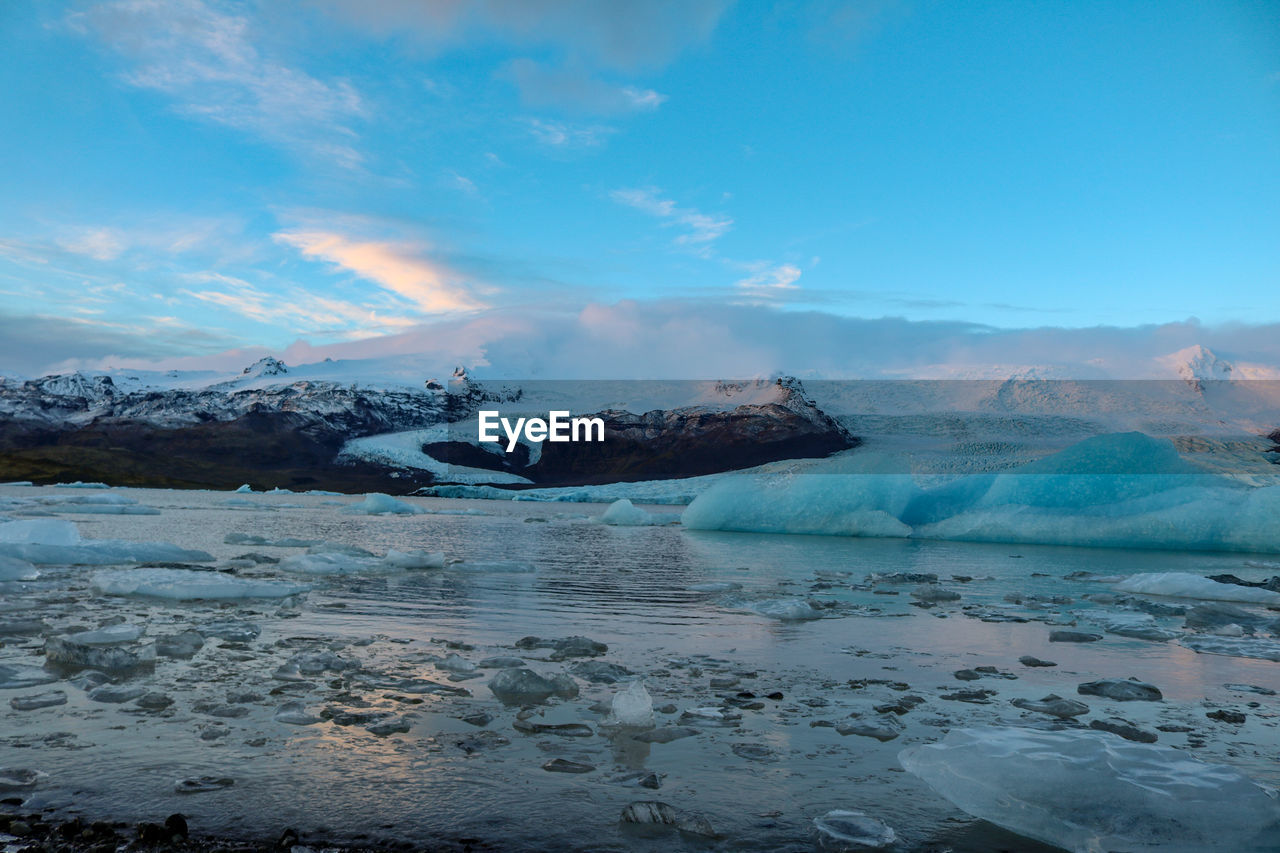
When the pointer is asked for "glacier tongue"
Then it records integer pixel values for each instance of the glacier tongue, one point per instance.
(1091, 792)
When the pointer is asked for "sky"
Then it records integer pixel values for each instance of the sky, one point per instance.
(189, 182)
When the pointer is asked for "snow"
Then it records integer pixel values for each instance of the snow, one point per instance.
(1185, 585)
(1091, 791)
(623, 513)
(1120, 490)
(377, 503)
(188, 585)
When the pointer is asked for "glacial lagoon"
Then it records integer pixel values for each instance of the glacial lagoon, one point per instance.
(347, 695)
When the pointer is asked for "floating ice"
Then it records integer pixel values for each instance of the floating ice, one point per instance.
(67, 653)
(1141, 626)
(623, 513)
(188, 585)
(108, 636)
(244, 490)
(55, 542)
(13, 569)
(632, 706)
(377, 503)
(786, 609)
(340, 562)
(850, 829)
(1185, 585)
(1123, 490)
(1091, 791)
(17, 677)
(1238, 647)
(81, 485)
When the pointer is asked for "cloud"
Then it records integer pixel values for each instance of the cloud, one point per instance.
(302, 312)
(768, 279)
(700, 229)
(624, 36)
(207, 62)
(101, 244)
(400, 268)
(574, 89)
(563, 135)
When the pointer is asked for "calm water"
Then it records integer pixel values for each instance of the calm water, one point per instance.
(632, 589)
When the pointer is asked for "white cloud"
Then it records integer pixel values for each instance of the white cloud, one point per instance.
(700, 229)
(206, 60)
(563, 135)
(767, 279)
(293, 307)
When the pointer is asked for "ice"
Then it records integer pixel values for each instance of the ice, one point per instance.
(68, 653)
(54, 542)
(1140, 626)
(520, 686)
(1091, 791)
(246, 489)
(40, 531)
(1239, 647)
(1185, 585)
(189, 585)
(623, 513)
(414, 559)
(342, 562)
(632, 706)
(17, 677)
(841, 829)
(13, 569)
(108, 636)
(377, 503)
(80, 485)
(1118, 490)
(786, 609)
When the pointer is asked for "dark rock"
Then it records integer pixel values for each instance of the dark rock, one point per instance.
(1053, 705)
(1121, 690)
(563, 765)
(665, 734)
(1073, 637)
(1124, 729)
(1028, 660)
(600, 672)
(1226, 716)
(521, 686)
(560, 729)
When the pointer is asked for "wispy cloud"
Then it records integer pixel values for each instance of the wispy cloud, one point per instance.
(206, 60)
(699, 229)
(562, 135)
(768, 280)
(400, 268)
(293, 307)
(575, 89)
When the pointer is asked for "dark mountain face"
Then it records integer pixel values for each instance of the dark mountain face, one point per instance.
(78, 427)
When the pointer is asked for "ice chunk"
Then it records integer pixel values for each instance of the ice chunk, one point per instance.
(376, 503)
(108, 636)
(786, 609)
(82, 485)
(294, 714)
(1185, 585)
(520, 686)
(244, 490)
(188, 585)
(17, 677)
(13, 569)
(1239, 647)
(54, 542)
(40, 531)
(843, 829)
(632, 706)
(623, 513)
(36, 701)
(65, 652)
(1091, 791)
(414, 559)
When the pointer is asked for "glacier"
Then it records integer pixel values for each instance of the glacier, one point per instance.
(1122, 490)
(1091, 792)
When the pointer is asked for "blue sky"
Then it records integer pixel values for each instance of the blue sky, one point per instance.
(185, 177)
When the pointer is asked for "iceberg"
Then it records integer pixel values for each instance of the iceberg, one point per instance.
(1125, 490)
(623, 513)
(13, 569)
(376, 503)
(340, 562)
(1185, 585)
(1090, 791)
(632, 706)
(189, 585)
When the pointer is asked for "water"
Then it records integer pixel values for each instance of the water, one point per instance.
(631, 588)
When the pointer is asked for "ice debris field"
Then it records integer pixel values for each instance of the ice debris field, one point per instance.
(580, 677)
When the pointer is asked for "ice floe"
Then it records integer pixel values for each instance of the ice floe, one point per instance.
(1092, 791)
(1186, 585)
(56, 542)
(377, 503)
(189, 585)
